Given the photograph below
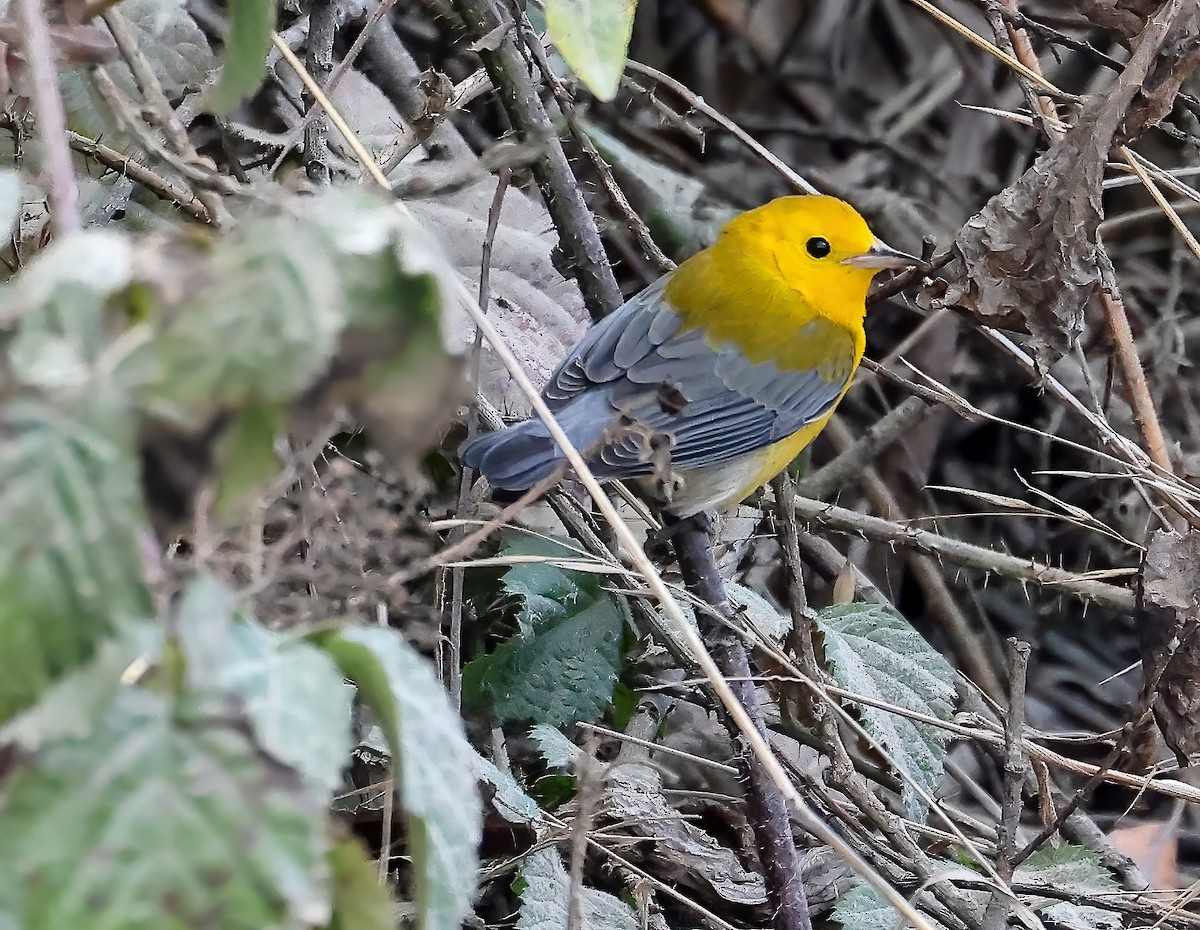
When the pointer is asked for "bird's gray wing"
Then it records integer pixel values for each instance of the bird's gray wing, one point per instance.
(712, 402)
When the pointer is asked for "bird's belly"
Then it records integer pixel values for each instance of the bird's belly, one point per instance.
(714, 487)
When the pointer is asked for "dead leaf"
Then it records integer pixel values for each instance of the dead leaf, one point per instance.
(1126, 18)
(1154, 847)
(1167, 634)
(1030, 254)
(682, 853)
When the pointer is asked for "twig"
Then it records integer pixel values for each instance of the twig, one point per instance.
(62, 187)
(697, 103)
(1142, 404)
(1015, 768)
(322, 29)
(766, 808)
(588, 788)
(126, 166)
(848, 465)
(636, 225)
(458, 575)
(965, 554)
(578, 235)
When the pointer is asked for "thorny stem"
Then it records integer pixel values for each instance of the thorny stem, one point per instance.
(322, 29)
(767, 809)
(965, 554)
(578, 235)
(1015, 768)
(62, 187)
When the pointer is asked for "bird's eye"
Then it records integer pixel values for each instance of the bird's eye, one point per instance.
(818, 247)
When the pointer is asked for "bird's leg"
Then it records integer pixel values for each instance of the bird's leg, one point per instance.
(692, 538)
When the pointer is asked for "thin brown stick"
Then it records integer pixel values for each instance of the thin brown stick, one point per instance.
(1144, 413)
(62, 187)
(766, 806)
(578, 235)
(1015, 767)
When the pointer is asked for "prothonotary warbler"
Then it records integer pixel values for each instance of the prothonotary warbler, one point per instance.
(721, 372)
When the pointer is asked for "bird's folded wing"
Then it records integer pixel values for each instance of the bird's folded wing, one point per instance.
(713, 403)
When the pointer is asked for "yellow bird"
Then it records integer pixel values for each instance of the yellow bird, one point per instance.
(723, 370)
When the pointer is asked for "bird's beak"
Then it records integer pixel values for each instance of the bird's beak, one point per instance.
(881, 255)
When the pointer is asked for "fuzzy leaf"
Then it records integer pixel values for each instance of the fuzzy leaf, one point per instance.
(593, 38)
(562, 664)
(251, 23)
(435, 766)
(360, 900)
(864, 908)
(874, 652)
(545, 900)
(1071, 869)
(291, 691)
(265, 326)
(162, 820)
(558, 751)
(70, 481)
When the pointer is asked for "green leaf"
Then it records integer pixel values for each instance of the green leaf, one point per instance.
(70, 558)
(546, 894)
(73, 705)
(60, 298)
(562, 665)
(557, 751)
(163, 821)
(360, 900)
(251, 23)
(593, 38)
(864, 908)
(873, 651)
(246, 457)
(265, 326)
(1070, 869)
(435, 766)
(510, 800)
(291, 691)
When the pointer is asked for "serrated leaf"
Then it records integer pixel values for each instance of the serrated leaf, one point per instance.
(291, 691)
(593, 38)
(360, 900)
(510, 800)
(759, 611)
(265, 326)
(59, 298)
(12, 201)
(561, 673)
(70, 562)
(244, 62)
(563, 663)
(557, 751)
(162, 820)
(864, 908)
(546, 896)
(435, 766)
(874, 652)
(1070, 869)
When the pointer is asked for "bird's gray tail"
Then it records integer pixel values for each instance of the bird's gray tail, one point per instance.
(519, 456)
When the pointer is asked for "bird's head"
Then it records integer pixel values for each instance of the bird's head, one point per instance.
(819, 245)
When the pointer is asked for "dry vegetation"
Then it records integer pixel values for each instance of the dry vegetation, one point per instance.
(1016, 466)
